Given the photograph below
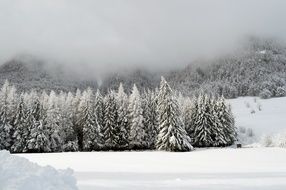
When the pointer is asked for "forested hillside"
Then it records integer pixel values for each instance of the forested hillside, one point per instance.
(27, 72)
(257, 69)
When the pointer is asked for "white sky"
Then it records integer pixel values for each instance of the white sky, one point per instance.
(105, 35)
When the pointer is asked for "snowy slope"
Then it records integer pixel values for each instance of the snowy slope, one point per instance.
(270, 120)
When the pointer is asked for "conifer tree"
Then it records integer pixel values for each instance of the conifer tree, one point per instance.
(38, 140)
(21, 130)
(172, 134)
(122, 117)
(110, 129)
(149, 105)
(52, 123)
(91, 135)
(70, 139)
(203, 122)
(225, 123)
(99, 109)
(6, 130)
(135, 116)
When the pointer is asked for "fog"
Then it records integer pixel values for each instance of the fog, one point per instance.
(98, 36)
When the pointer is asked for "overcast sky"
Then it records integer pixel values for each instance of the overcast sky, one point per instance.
(105, 35)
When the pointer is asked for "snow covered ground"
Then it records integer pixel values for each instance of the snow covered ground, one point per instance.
(230, 169)
(18, 173)
(202, 169)
(270, 120)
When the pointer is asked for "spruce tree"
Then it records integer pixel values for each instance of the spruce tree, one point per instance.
(135, 116)
(6, 130)
(70, 139)
(90, 129)
(21, 129)
(110, 128)
(52, 123)
(122, 117)
(149, 105)
(226, 123)
(172, 134)
(99, 109)
(38, 139)
(203, 122)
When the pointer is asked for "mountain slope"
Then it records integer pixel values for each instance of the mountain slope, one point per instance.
(34, 74)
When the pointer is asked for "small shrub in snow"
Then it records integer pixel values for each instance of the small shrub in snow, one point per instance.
(265, 94)
(281, 91)
(267, 141)
(280, 140)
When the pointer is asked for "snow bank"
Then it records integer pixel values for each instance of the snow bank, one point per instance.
(19, 173)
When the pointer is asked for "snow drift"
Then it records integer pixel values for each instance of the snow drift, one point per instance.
(18, 173)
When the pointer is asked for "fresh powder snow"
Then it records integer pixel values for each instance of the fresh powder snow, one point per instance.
(17, 173)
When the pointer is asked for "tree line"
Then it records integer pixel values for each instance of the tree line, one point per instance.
(89, 121)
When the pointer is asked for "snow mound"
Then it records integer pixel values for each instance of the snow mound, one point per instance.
(19, 173)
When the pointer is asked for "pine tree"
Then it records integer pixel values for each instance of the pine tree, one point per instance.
(203, 122)
(149, 105)
(189, 114)
(110, 128)
(21, 132)
(88, 122)
(38, 140)
(122, 117)
(135, 116)
(99, 114)
(6, 130)
(52, 123)
(225, 123)
(99, 108)
(70, 139)
(172, 134)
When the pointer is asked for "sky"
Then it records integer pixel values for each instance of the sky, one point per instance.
(98, 36)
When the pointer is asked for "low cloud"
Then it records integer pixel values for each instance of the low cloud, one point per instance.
(100, 36)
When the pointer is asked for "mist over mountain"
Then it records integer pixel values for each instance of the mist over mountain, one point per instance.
(95, 38)
(27, 73)
(257, 69)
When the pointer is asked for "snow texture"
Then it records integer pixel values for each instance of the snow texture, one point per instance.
(202, 169)
(18, 173)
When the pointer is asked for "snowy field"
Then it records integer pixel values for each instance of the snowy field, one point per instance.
(211, 169)
(237, 169)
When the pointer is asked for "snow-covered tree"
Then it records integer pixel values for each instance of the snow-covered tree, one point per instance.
(70, 138)
(227, 131)
(99, 108)
(122, 117)
(149, 106)
(21, 129)
(38, 140)
(202, 122)
(110, 129)
(6, 130)
(91, 134)
(135, 116)
(52, 123)
(172, 134)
